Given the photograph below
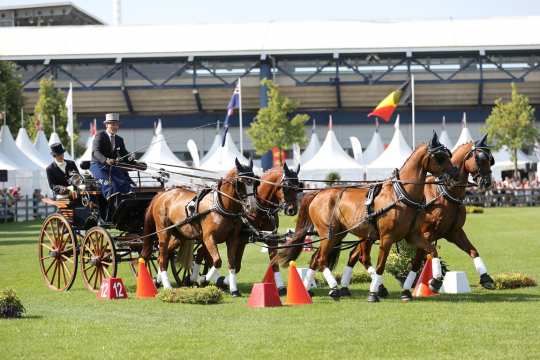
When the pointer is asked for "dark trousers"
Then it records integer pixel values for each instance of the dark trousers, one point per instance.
(112, 179)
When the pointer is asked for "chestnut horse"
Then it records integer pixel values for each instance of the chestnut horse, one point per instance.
(444, 217)
(217, 221)
(278, 189)
(336, 211)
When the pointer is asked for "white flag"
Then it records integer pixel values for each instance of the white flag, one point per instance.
(69, 106)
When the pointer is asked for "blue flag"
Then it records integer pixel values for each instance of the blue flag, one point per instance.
(234, 103)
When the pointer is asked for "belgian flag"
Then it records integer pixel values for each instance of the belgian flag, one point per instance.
(386, 108)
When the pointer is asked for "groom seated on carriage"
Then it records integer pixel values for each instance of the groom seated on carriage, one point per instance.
(60, 171)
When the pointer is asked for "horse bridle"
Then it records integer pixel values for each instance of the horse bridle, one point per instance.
(438, 152)
(285, 182)
(479, 177)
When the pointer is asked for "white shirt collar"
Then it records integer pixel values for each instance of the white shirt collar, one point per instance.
(61, 165)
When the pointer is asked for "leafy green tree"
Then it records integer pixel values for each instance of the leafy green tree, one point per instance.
(11, 99)
(52, 101)
(274, 126)
(512, 124)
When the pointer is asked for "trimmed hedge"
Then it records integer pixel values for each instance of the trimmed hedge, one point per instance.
(203, 296)
(511, 280)
(10, 305)
(474, 210)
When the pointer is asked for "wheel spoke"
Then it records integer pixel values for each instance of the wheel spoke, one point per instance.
(67, 258)
(107, 271)
(46, 246)
(45, 258)
(46, 232)
(67, 270)
(91, 276)
(54, 272)
(49, 268)
(63, 274)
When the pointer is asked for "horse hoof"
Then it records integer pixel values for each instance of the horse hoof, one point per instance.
(373, 297)
(311, 293)
(487, 282)
(220, 283)
(383, 292)
(202, 283)
(236, 293)
(406, 295)
(282, 291)
(344, 291)
(435, 285)
(334, 293)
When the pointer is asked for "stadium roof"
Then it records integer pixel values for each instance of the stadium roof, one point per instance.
(46, 14)
(270, 38)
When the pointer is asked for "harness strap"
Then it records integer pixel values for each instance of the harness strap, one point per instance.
(444, 191)
(402, 195)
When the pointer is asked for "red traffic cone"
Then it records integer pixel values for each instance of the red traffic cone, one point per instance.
(269, 276)
(145, 284)
(264, 295)
(296, 292)
(422, 285)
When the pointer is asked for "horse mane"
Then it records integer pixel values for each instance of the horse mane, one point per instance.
(461, 149)
(231, 174)
(276, 170)
(414, 152)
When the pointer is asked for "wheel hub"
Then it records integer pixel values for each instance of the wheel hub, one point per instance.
(95, 260)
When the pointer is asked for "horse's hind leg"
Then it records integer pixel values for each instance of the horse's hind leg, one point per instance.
(322, 264)
(235, 249)
(423, 243)
(462, 241)
(406, 294)
(360, 253)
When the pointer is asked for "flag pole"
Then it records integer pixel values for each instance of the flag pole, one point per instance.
(72, 142)
(413, 113)
(22, 117)
(240, 116)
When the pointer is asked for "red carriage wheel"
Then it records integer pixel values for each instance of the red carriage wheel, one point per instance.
(98, 258)
(57, 253)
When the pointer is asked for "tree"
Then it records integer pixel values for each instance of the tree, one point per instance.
(272, 127)
(52, 101)
(512, 124)
(11, 99)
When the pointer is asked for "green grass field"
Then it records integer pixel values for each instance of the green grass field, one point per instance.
(481, 325)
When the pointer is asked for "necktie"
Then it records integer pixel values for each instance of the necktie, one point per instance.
(113, 145)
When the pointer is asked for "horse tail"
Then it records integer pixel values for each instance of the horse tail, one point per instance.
(333, 257)
(303, 225)
(184, 253)
(149, 228)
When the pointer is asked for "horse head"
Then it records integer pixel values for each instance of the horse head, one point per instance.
(439, 160)
(478, 163)
(290, 187)
(245, 183)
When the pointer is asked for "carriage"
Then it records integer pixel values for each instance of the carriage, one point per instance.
(75, 237)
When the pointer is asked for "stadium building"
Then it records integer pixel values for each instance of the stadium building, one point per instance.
(185, 74)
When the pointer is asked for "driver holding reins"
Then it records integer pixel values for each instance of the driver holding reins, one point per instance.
(60, 171)
(108, 149)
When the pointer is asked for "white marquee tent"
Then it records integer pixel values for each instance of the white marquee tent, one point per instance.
(465, 135)
(444, 138)
(331, 158)
(393, 157)
(374, 149)
(222, 160)
(503, 161)
(25, 145)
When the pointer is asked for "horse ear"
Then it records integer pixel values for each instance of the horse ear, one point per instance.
(298, 169)
(237, 164)
(434, 140)
(286, 168)
(482, 141)
(250, 163)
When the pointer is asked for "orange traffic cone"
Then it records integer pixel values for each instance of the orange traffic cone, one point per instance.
(264, 295)
(145, 284)
(296, 292)
(422, 285)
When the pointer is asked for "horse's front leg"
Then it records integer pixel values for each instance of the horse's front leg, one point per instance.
(163, 258)
(377, 278)
(272, 254)
(362, 253)
(211, 247)
(462, 241)
(422, 241)
(235, 248)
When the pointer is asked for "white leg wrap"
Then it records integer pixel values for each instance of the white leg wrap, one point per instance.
(310, 275)
(226, 280)
(436, 268)
(232, 281)
(376, 281)
(371, 271)
(278, 280)
(165, 280)
(407, 285)
(480, 266)
(195, 272)
(212, 275)
(332, 283)
(346, 276)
